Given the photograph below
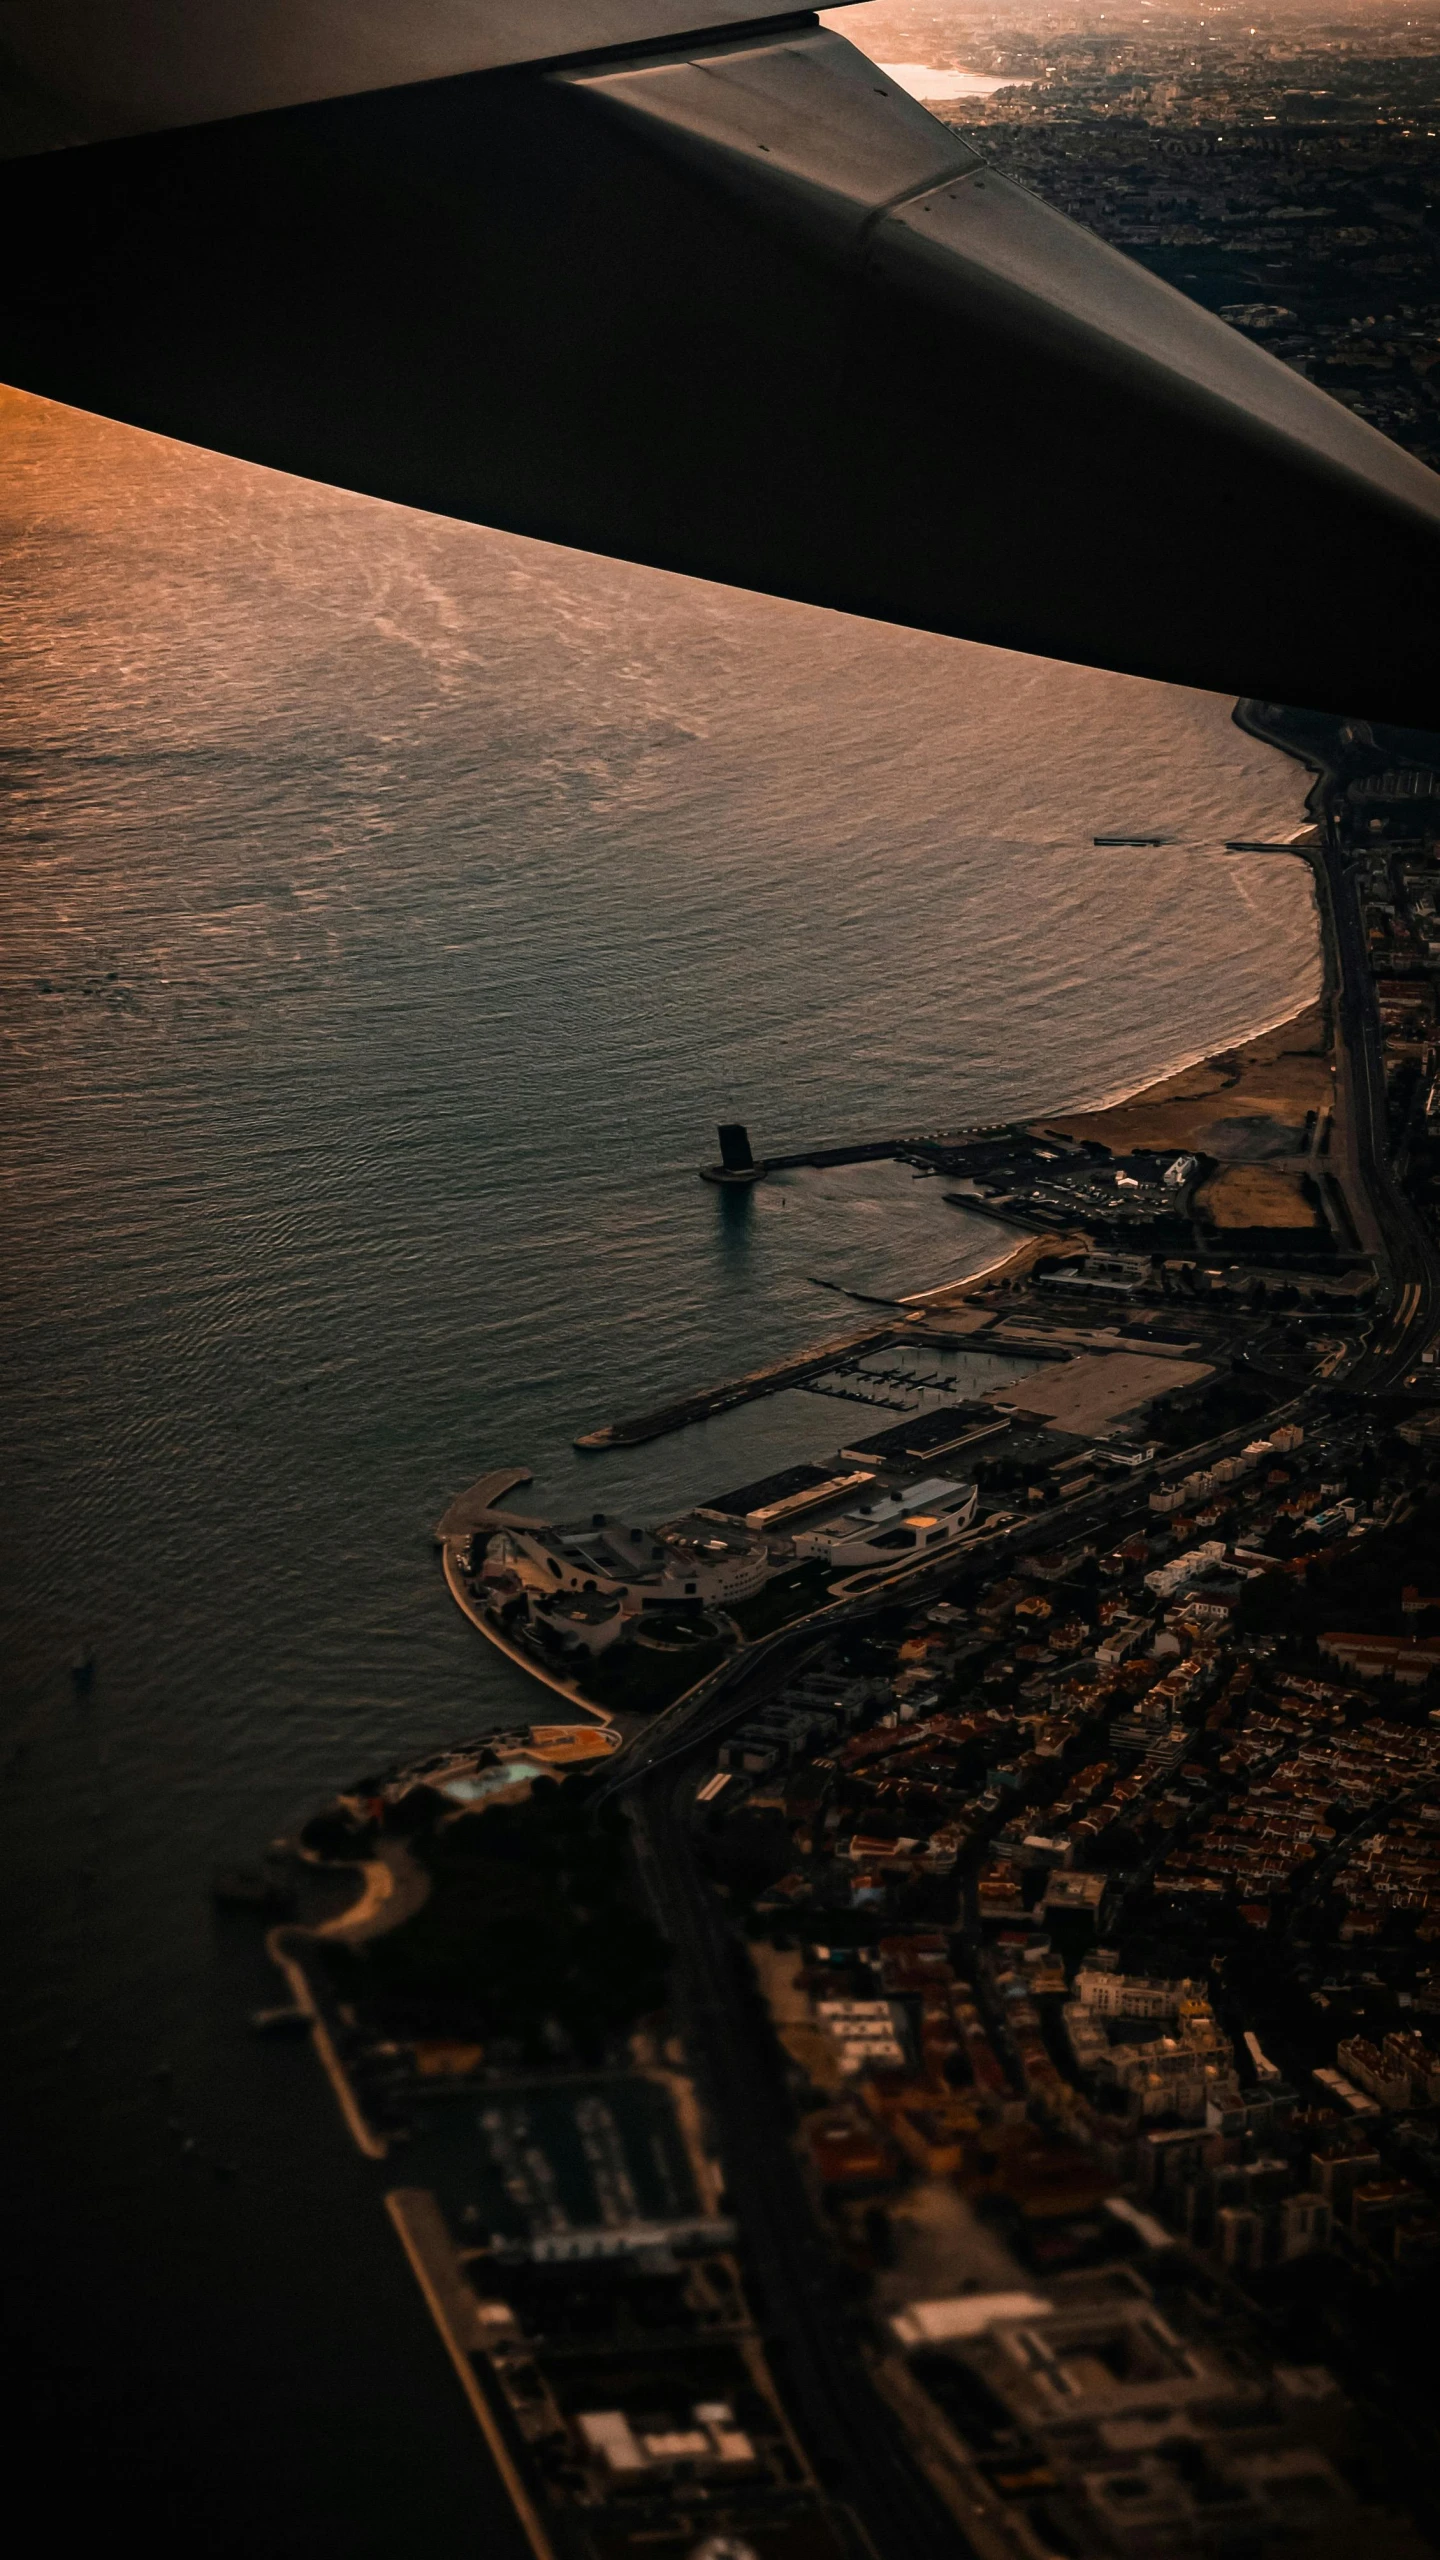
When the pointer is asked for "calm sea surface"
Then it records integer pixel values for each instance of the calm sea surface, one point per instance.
(390, 911)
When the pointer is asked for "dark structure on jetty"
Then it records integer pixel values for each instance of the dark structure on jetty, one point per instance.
(737, 1164)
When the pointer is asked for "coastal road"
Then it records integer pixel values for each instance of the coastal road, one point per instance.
(1406, 1252)
(848, 2429)
(1386, 1222)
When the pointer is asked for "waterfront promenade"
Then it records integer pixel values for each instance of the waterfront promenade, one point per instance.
(453, 2308)
(1385, 1220)
(287, 1949)
(569, 1690)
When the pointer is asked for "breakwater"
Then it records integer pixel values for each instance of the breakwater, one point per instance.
(792, 1371)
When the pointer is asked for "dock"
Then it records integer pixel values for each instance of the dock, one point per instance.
(792, 1371)
(476, 1508)
(452, 2306)
(921, 1317)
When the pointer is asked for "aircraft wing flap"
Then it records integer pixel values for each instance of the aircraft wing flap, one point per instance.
(810, 128)
(986, 246)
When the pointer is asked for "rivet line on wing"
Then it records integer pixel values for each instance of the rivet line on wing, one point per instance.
(912, 195)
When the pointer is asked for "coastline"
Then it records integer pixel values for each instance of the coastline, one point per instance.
(371, 2144)
(1249, 1083)
(1280, 1101)
(1013, 1258)
(565, 1689)
(1120, 1095)
(1261, 1100)
(427, 2245)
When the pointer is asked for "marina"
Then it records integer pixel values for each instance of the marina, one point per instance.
(793, 1371)
(931, 1318)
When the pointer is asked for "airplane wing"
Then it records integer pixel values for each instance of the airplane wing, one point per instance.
(650, 278)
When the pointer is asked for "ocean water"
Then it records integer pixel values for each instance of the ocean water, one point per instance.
(391, 909)
(923, 82)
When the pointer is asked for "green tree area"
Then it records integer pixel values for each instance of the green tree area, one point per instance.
(532, 1924)
(642, 1681)
(1357, 1591)
(1228, 1404)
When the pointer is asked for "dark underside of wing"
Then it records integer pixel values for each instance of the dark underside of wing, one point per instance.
(738, 308)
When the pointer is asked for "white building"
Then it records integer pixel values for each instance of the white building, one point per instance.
(1304, 2225)
(647, 1570)
(867, 2035)
(1181, 1572)
(1121, 1638)
(713, 2442)
(894, 1526)
(1129, 1995)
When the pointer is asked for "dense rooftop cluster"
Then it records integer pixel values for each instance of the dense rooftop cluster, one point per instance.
(1042, 1891)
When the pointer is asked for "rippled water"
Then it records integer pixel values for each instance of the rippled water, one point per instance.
(391, 909)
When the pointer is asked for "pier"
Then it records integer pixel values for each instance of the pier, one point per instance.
(738, 1165)
(921, 1318)
(452, 2306)
(476, 1507)
(868, 1151)
(792, 1371)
